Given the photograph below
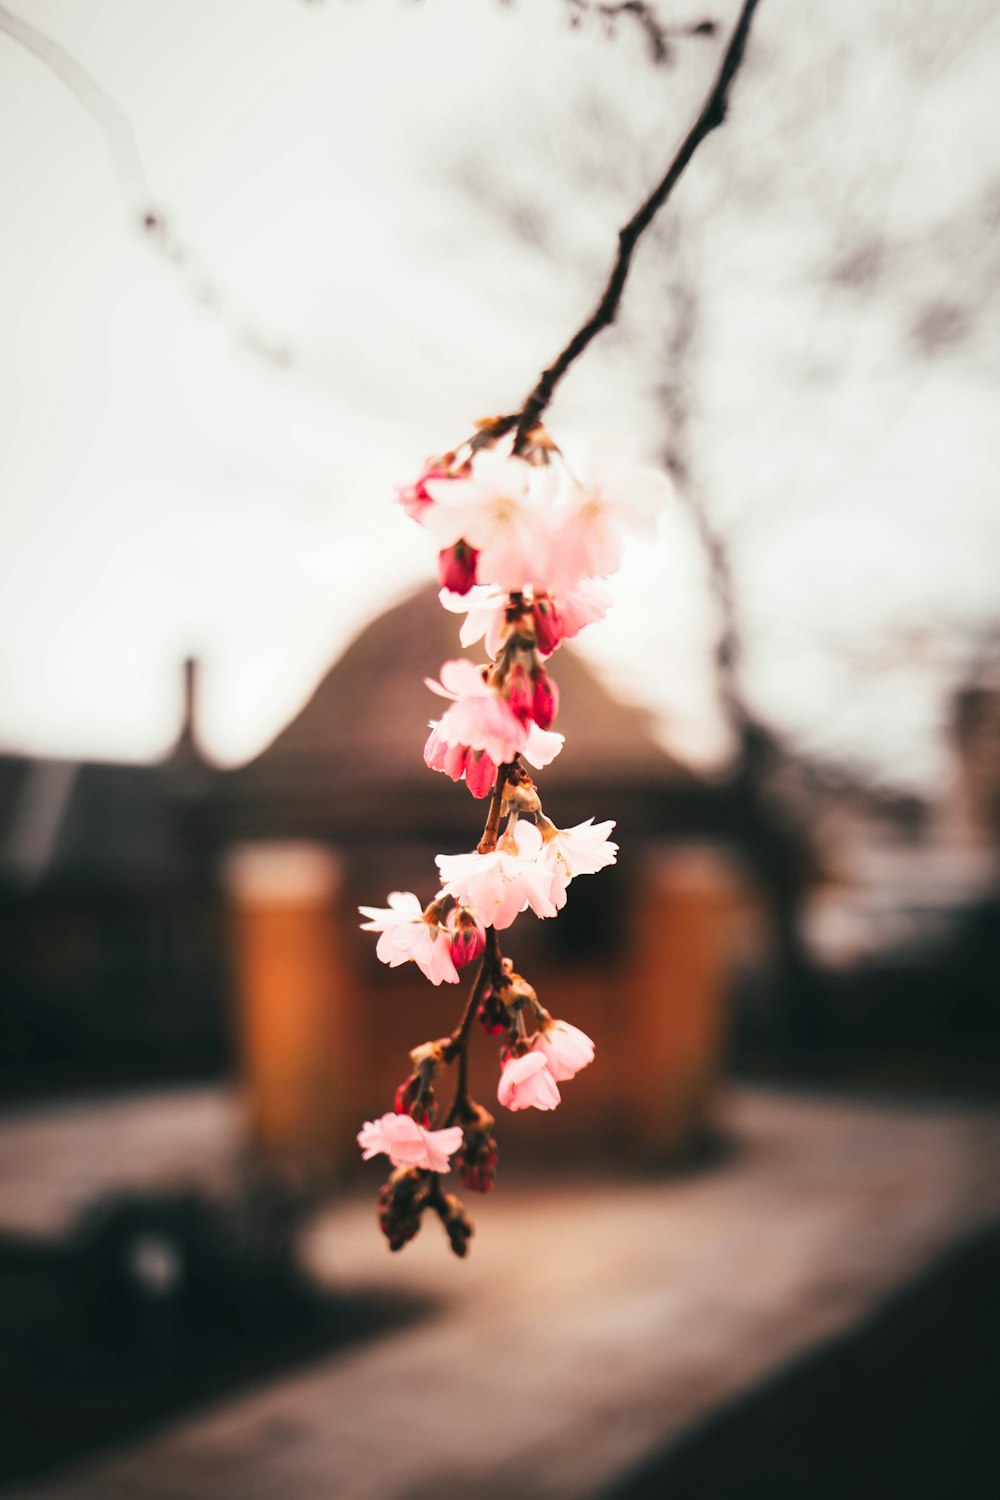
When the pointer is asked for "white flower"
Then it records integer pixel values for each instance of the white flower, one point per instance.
(569, 852)
(503, 883)
(566, 1049)
(504, 511)
(485, 609)
(407, 934)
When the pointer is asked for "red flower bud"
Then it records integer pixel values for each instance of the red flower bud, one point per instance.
(545, 699)
(493, 1015)
(457, 567)
(548, 624)
(414, 1098)
(469, 936)
(517, 690)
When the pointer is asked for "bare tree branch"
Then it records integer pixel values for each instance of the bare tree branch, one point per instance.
(712, 115)
(659, 34)
(134, 186)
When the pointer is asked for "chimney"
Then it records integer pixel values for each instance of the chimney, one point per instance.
(188, 737)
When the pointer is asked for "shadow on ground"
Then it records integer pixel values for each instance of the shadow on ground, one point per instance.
(154, 1305)
(904, 1406)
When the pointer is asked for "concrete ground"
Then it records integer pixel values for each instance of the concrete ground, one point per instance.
(594, 1324)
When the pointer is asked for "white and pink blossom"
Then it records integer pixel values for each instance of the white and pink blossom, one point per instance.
(408, 934)
(614, 496)
(566, 1049)
(481, 731)
(568, 852)
(504, 882)
(479, 717)
(485, 610)
(503, 509)
(527, 1083)
(408, 1144)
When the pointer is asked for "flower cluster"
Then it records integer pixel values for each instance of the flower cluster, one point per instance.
(524, 547)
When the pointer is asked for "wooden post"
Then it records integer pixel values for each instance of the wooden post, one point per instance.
(689, 910)
(293, 1002)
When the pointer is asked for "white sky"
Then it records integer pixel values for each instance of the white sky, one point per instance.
(346, 170)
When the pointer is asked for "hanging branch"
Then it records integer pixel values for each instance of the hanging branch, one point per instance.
(712, 115)
(134, 186)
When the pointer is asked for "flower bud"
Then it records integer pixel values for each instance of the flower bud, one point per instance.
(548, 624)
(493, 1015)
(457, 567)
(469, 936)
(458, 1225)
(415, 1097)
(545, 699)
(518, 690)
(401, 1201)
(478, 1157)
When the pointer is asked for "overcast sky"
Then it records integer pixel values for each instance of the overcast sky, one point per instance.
(417, 204)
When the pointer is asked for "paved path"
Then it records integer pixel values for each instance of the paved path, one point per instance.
(591, 1324)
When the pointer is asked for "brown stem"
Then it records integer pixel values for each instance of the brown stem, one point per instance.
(491, 832)
(713, 113)
(486, 975)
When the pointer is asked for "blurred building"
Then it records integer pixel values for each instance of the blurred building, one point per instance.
(121, 933)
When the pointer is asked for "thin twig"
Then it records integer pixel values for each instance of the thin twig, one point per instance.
(659, 34)
(712, 115)
(134, 186)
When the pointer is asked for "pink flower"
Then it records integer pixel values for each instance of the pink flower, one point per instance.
(615, 496)
(407, 934)
(480, 731)
(569, 852)
(456, 761)
(585, 603)
(526, 1083)
(408, 1144)
(502, 510)
(479, 716)
(503, 883)
(566, 1049)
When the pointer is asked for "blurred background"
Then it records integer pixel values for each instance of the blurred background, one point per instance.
(259, 261)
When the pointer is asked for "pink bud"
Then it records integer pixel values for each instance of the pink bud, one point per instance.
(545, 699)
(457, 567)
(517, 691)
(548, 624)
(414, 497)
(468, 936)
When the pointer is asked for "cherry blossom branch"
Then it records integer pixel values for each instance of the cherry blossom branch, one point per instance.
(711, 116)
(134, 186)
